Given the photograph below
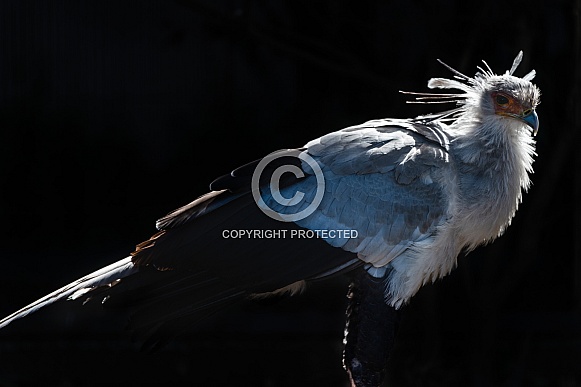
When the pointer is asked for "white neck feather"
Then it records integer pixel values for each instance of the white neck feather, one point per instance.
(494, 158)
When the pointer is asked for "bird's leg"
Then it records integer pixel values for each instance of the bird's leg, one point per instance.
(370, 329)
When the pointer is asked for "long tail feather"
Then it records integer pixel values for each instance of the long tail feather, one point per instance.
(105, 277)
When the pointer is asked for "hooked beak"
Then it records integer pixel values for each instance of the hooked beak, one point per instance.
(532, 120)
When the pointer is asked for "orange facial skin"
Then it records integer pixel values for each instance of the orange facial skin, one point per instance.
(506, 105)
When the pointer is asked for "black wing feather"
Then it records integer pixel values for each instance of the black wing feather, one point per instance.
(192, 268)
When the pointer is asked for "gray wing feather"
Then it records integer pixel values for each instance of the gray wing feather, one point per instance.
(381, 179)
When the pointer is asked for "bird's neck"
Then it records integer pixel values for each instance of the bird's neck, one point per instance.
(493, 158)
(495, 145)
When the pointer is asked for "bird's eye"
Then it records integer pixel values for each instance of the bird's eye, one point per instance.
(501, 100)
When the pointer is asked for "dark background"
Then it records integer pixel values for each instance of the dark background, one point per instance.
(112, 113)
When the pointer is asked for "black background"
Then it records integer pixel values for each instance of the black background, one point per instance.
(113, 113)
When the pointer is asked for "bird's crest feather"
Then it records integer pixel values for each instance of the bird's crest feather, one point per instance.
(462, 82)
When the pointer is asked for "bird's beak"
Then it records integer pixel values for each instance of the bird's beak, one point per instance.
(532, 120)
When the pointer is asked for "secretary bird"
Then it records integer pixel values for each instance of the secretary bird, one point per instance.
(393, 200)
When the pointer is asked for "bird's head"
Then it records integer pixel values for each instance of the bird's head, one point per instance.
(494, 97)
(512, 98)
